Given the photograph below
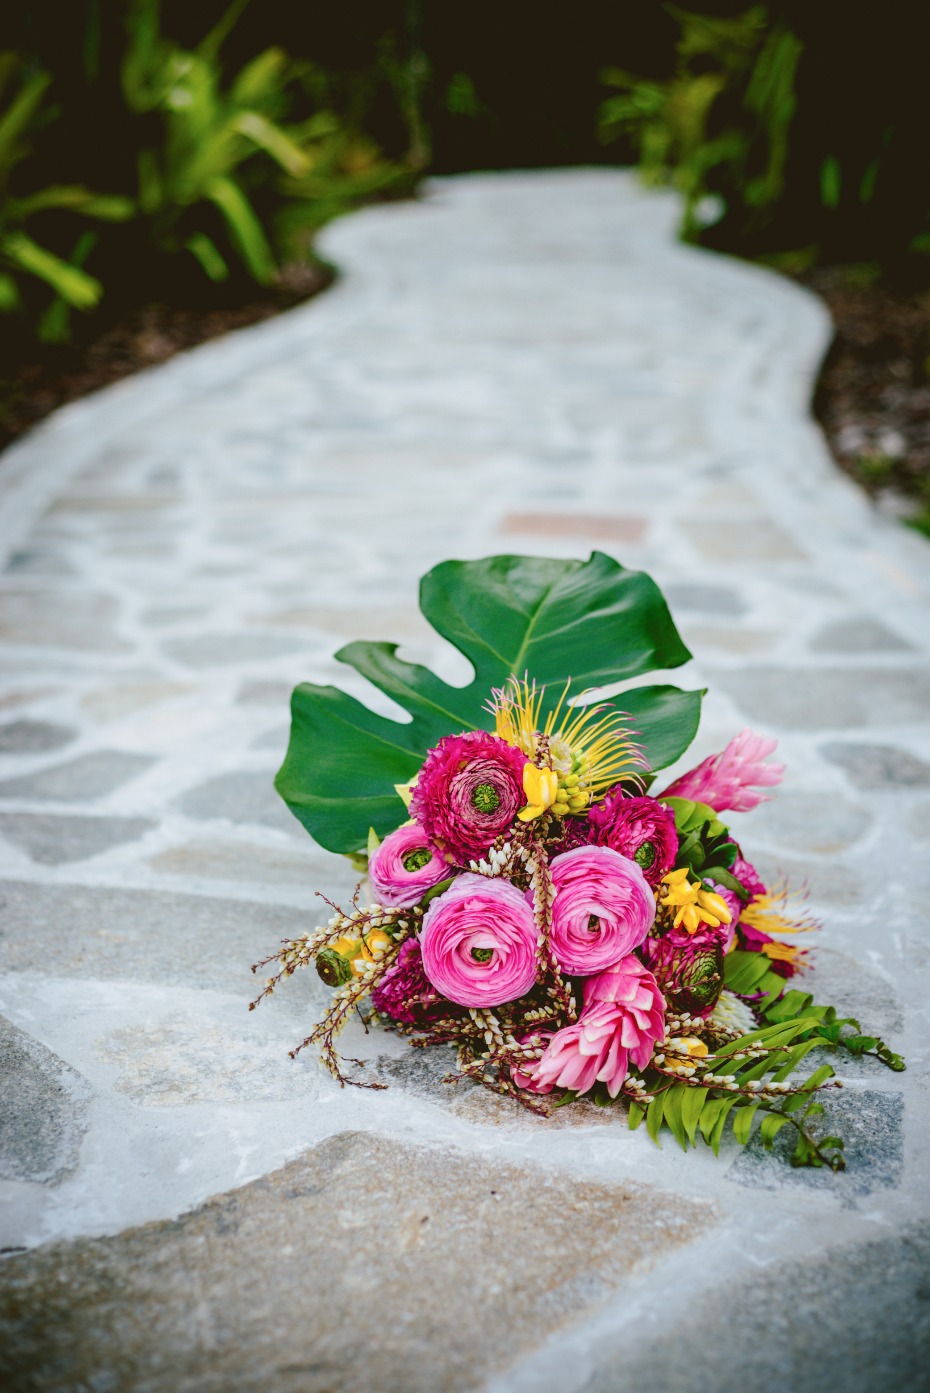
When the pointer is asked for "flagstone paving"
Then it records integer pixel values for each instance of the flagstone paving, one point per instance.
(523, 362)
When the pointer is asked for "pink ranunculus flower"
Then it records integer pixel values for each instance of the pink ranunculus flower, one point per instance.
(479, 942)
(603, 908)
(467, 793)
(725, 780)
(623, 1018)
(642, 829)
(404, 867)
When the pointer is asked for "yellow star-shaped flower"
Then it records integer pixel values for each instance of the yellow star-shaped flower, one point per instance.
(695, 905)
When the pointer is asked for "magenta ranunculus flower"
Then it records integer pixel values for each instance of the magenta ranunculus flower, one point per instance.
(479, 942)
(469, 791)
(725, 780)
(404, 867)
(642, 829)
(603, 908)
(623, 1017)
(404, 993)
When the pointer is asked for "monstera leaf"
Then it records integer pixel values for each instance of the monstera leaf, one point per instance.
(592, 621)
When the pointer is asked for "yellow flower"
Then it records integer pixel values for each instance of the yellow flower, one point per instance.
(777, 912)
(359, 951)
(541, 787)
(694, 905)
(689, 1045)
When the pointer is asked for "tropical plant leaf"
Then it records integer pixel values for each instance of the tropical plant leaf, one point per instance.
(593, 622)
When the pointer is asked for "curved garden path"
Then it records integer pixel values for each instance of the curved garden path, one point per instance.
(526, 362)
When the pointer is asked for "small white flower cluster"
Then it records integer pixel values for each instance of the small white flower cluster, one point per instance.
(499, 861)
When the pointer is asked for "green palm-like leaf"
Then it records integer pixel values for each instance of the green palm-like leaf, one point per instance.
(594, 622)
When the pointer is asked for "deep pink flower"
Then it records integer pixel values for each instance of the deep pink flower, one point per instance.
(404, 867)
(688, 968)
(603, 908)
(724, 780)
(479, 942)
(623, 1017)
(469, 791)
(405, 994)
(642, 829)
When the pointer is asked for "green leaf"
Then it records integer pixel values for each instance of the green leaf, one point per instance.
(594, 622)
(692, 1106)
(772, 1124)
(742, 1122)
(727, 1106)
(270, 138)
(635, 1116)
(70, 282)
(205, 251)
(244, 227)
(654, 1112)
(671, 1116)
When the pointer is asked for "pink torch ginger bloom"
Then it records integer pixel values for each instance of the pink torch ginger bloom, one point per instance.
(467, 793)
(479, 942)
(525, 1077)
(623, 1017)
(642, 829)
(404, 867)
(603, 908)
(725, 780)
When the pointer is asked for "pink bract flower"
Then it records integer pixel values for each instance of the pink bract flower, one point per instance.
(404, 867)
(724, 780)
(404, 993)
(642, 829)
(479, 942)
(623, 1017)
(469, 791)
(603, 908)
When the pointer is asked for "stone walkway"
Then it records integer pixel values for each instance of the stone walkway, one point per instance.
(524, 363)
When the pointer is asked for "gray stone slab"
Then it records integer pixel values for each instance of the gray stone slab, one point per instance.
(829, 698)
(146, 936)
(858, 635)
(62, 617)
(364, 1265)
(53, 839)
(876, 767)
(43, 1103)
(856, 1320)
(33, 737)
(242, 796)
(811, 822)
(700, 598)
(871, 1125)
(90, 776)
(213, 650)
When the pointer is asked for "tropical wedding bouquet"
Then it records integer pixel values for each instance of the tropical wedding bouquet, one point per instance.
(535, 903)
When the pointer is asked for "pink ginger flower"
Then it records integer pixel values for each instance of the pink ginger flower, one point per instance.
(623, 1017)
(523, 1076)
(726, 780)
(467, 793)
(404, 867)
(479, 942)
(603, 908)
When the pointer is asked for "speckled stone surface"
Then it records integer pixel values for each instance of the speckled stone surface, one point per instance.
(522, 362)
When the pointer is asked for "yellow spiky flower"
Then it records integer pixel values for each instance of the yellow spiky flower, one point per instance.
(587, 749)
(778, 911)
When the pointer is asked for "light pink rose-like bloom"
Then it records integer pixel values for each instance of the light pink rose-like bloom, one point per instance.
(399, 875)
(479, 942)
(623, 1017)
(603, 908)
(724, 781)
